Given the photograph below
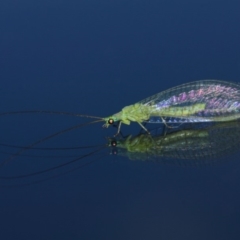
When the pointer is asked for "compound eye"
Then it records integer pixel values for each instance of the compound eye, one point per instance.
(110, 121)
(113, 143)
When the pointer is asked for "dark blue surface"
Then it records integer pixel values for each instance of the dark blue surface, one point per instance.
(95, 57)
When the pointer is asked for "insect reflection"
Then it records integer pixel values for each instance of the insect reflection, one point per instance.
(202, 145)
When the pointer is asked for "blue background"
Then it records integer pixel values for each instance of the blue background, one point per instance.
(95, 57)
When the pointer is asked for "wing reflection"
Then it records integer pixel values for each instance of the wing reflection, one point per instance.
(203, 145)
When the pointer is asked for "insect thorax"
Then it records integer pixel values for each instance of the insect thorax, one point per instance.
(133, 113)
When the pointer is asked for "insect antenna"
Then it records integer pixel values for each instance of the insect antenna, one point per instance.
(46, 138)
(49, 112)
(48, 148)
(53, 168)
(55, 176)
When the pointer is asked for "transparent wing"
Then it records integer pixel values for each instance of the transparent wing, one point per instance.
(199, 101)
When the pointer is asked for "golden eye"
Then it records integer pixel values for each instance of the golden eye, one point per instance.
(113, 143)
(110, 121)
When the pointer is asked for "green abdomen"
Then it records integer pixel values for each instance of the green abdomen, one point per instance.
(179, 111)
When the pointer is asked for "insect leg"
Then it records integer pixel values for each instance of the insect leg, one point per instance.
(143, 130)
(166, 125)
(119, 127)
(120, 132)
(143, 127)
(164, 122)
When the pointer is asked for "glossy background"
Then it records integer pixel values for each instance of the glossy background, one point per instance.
(94, 57)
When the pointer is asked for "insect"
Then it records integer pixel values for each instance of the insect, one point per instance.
(194, 102)
(204, 145)
(197, 146)
(199, 101)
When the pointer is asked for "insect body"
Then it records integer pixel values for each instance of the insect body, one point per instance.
(199, 101)
(213, 141)
(184, 147)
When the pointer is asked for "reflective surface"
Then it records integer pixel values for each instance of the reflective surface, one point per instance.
(95, 58)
